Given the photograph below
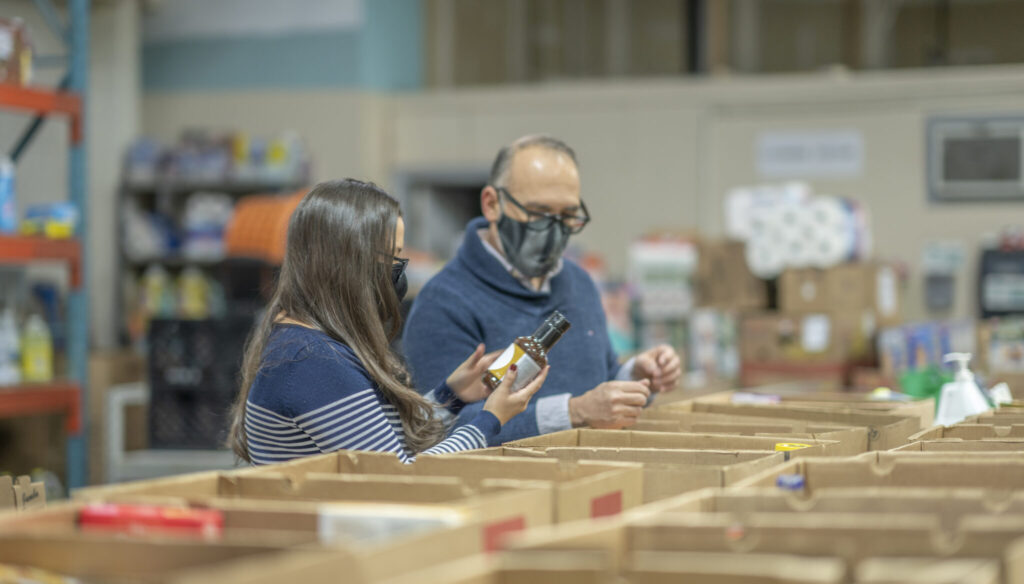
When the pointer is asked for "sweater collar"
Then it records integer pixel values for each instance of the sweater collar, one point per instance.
(483, 264)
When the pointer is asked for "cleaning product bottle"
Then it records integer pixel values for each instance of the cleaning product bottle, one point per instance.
(961, 397)
(193, 294)
(37, 351)
(10, 347)
(530, 354)
(8, 202)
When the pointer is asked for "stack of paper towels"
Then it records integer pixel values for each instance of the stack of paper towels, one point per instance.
(786, 226)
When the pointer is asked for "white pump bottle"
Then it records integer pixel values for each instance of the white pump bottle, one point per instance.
(961, 397)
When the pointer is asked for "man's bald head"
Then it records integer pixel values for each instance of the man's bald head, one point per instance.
(503, 161)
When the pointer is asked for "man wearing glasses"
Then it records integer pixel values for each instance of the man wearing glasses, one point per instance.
(508, 276)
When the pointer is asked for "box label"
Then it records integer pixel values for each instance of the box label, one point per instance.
(606, 505)
(494, 533)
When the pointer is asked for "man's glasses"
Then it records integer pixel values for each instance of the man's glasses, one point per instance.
(538, 221)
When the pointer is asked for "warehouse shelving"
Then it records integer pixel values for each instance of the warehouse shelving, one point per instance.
(66, 101)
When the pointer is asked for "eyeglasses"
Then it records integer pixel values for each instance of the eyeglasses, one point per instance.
(538, 221)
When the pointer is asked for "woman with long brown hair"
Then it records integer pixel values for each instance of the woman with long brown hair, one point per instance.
(319, 374)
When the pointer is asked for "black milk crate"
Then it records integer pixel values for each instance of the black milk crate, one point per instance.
(193, 379)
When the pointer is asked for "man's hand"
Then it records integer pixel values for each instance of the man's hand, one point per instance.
(661, 366)
(611, 405)
(467, 380)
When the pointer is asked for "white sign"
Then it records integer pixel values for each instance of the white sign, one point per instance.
(810, 154)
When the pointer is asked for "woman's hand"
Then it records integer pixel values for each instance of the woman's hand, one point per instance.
(467, 380)
(505, 404)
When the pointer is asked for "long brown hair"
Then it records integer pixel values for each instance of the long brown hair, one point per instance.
(336, 277)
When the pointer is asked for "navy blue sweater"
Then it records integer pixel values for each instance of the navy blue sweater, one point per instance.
(313, 395)
(474, 299)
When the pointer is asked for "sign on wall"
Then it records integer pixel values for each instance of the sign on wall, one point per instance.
(810, 154)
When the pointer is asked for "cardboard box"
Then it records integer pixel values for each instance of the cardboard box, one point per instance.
(852, 440)
(927, 571)
(885, 431)
(901, 469)
(958, 445)
(858, 289)
(840, 401)
(822, 376)
(949, 507)
(579, 490)
(21, 494)
(969, 432)
(367, 534)
(669, 472)
(590, 438)
(107, 369)
(664, 567)
(851, 538)
(498, 507)
(724, 280)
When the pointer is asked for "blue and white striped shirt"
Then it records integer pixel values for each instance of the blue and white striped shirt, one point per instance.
(312, 395)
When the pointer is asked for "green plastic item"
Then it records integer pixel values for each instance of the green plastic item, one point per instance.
(925, 383)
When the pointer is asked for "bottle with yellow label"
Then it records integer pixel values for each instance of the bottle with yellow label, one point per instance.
(530, 354)
(37, 351)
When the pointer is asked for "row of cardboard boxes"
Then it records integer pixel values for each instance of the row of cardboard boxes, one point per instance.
(578, 506)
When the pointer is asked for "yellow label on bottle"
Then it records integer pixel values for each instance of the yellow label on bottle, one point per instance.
(526, 367)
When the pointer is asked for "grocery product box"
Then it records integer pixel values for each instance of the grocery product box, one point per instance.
(969, 432)
(901, 469)
(590, 438)
(668, 472)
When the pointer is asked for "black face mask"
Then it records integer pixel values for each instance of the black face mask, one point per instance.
(533, 252)
(399, 280)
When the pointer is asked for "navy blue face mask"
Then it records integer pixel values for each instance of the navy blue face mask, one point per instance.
(398, 278)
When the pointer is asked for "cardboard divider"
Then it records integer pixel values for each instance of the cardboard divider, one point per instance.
(839, 401)
(983, 446)
(885, 431)
(669, 472)
(852, 440)
(948, 506)
(579, 490)
(589, 438)
(969, 432)
(901, 469)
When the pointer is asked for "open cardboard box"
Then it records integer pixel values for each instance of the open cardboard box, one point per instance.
(851, 440)
(885, 431)
(589, 438)
(983, 446)
(839, 401)
(667, 472)
(851, 538)
(385, 548)
(949, 506)
(969, 432)
(940, 470)
(579, 490)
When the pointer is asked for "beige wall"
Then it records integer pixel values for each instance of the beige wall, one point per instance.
(653, 154)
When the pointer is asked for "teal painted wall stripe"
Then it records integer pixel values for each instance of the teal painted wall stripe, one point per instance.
(384, 54)
(309, 60)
